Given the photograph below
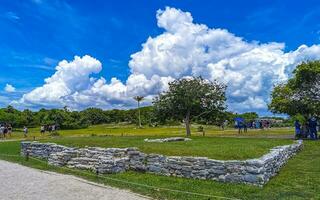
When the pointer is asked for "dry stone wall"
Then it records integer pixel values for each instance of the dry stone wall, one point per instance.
(114, 160)
(171, 139)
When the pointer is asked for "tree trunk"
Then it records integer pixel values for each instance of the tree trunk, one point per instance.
(187, 123)
(139, 114)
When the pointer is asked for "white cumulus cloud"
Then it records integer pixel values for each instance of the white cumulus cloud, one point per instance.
(250, 69)
(185, 48)
(69, 78)
(72, 85)
(9, 88)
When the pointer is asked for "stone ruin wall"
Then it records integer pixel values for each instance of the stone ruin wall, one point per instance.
(114, 160)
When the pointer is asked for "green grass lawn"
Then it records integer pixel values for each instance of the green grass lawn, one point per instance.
(131, 130)
(299, 179)
(212, 147)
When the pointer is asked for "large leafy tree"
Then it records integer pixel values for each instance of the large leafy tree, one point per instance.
(190, 98)
(301, 94)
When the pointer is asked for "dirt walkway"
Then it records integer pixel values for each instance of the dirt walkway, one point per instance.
(22, 183)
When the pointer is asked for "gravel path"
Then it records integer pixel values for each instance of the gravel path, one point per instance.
(22, 183)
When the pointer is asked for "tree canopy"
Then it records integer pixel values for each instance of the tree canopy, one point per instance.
(301, 93)
(249, 116)
(190, 98)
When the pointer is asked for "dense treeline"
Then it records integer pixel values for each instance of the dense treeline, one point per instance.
(66, 119)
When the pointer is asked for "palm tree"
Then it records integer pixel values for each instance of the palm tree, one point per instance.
(139, 99)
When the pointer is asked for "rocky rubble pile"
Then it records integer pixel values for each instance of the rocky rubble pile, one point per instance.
(114, 160)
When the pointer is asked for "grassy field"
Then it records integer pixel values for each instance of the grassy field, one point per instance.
(212, 147)
(131, 130)
(299, 179)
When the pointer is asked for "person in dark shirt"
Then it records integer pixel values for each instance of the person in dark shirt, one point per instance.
(245, 127)
(297, 127)
(313, 128)
(5, 131)
(240, 125)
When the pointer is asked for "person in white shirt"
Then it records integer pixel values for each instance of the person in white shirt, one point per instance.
(1, 130)
(25, 131)
(42, 130)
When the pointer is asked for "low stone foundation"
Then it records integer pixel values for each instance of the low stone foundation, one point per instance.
(171, 139)
(114, 160)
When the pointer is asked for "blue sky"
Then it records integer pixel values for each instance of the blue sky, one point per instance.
(36, 34)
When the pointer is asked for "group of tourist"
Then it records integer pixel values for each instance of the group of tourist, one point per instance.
(243, 126)
(49, 128)
(260, 124)
(5, 130)
(309, 129)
